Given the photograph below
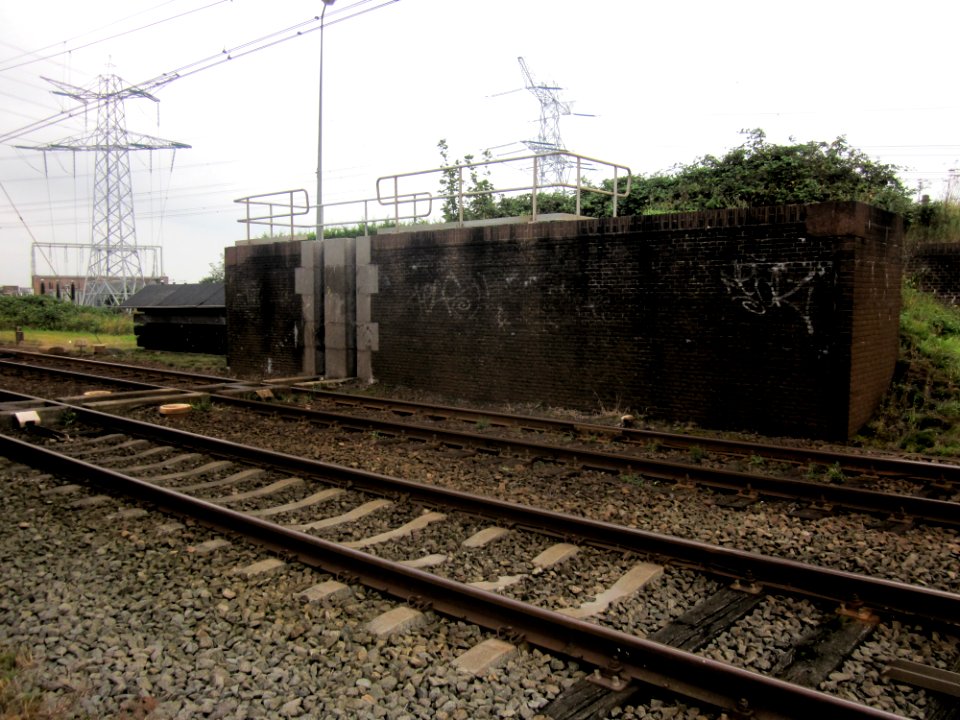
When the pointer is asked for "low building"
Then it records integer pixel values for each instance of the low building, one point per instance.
(180, 318)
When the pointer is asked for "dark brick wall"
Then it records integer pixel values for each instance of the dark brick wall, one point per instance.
(732, 319)
(935, 268)
(871, 283)
(264, 313)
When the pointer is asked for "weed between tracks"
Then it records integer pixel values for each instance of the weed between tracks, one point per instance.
(20, 698)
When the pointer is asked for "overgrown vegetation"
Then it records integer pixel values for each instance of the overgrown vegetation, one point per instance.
(762, 173)
(934, 222)
(921, 411)
(754, 174)
(47, 313)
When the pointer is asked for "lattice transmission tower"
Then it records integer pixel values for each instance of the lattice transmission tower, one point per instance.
(952, 194)
(114, 270)
(553, 168)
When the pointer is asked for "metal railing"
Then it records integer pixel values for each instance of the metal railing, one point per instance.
(271, 201)
(281, 209)
(578, 162)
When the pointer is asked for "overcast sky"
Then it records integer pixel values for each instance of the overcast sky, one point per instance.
(664, 82)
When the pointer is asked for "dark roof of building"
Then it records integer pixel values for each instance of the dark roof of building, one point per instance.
(178, 296)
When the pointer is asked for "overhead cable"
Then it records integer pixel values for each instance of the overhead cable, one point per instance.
(193, 68)
(4, 68)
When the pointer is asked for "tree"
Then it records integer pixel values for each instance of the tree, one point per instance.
(476, 190)
(760, 173)
(216, 274)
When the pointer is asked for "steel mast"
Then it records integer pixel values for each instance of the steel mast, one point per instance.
(114, 270)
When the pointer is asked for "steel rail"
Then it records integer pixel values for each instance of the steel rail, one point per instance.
(76, 375)
(659, 665)
(186, 376)
(919, 469)
(878, 464)
(787, 575)
(859, 499)
(902, 507)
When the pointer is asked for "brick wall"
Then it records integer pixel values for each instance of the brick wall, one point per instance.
(773, 319)
(264, 311)
(935, 268)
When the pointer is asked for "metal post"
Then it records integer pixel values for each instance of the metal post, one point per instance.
(616, 189)
(533, 205)
(396, 203)
(460, 193)
(291, 214)
(323, 12)
(578, 185)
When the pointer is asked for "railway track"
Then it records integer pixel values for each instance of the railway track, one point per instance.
(907, 491)
(241, 488)
(936, 474)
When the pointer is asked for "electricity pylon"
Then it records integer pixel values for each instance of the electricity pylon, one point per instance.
(114, 271)
(552, 167)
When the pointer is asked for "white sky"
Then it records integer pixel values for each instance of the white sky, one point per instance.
(666, 81)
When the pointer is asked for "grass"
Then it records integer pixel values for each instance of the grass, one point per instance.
(187, 362)
(921, 411)
(121, 348)
(20, 698)
(937, 221)
(76, 341)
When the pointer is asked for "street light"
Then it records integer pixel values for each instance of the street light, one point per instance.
(326, 4)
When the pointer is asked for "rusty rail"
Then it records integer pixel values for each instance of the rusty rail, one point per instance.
(627, 656)
(787, 575)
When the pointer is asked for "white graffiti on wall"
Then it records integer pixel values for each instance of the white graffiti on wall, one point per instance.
(459, 297)
(501, 297)
(763, 286)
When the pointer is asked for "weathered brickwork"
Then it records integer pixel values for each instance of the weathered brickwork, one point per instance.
(773, 319)
(264, 311)
(935, 268)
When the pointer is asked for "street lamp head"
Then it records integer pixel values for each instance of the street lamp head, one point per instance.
(329, 2)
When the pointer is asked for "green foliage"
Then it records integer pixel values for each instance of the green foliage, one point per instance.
(471, 184)
(351, 231)
(921, 412)
(835, 474)
(215, 275)
(936, 221)
(760, 173)
(43, 312)
(202, 404)
(554, 202)
(756, 173)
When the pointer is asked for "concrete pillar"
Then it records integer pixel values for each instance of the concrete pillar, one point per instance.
(308, 284)
(340, 307)
(368, 336)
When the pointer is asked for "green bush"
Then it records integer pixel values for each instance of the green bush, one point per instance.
(43, 312)
(937, 221)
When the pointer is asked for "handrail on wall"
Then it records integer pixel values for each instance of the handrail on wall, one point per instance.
(553, 158)
(279, 209)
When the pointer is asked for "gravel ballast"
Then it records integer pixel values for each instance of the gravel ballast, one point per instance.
(126, 606)
(121, 619)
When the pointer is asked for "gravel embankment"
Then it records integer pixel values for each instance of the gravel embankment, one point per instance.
(125, 621)
(126, 590)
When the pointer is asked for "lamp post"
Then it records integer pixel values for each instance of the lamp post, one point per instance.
(323, 12)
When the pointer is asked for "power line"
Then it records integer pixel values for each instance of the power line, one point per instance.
(24, 53)
(207, 63)
(101, 40)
